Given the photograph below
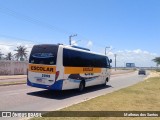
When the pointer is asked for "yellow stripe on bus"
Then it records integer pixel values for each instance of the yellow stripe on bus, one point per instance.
(42, 68)
(80, 70)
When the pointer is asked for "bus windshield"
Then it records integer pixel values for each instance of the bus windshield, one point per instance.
(44, 54)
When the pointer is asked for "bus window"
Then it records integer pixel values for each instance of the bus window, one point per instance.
(81, 59)
(44, 54)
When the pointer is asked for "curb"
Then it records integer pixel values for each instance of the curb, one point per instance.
(12, 78)
(12, 84)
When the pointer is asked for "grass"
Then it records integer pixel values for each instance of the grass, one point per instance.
(158, 70)
(144, 96)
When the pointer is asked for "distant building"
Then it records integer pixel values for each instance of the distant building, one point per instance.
(130, 65)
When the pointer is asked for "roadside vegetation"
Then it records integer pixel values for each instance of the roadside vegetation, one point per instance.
(157, 60)
(143, 96)
(20, 55)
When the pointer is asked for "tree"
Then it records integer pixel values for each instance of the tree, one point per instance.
(157, 60)
(1, 55)
(21, 53)
(9, 56)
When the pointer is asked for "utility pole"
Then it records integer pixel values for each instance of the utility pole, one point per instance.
(115, 55)
(70, 38)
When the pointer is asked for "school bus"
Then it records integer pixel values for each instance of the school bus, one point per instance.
(62, 67)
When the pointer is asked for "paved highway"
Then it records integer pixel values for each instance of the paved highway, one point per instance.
(25, 98)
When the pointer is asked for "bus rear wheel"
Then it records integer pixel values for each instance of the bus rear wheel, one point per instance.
(81, 86)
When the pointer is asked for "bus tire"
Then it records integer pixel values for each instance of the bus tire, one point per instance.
(106, 81)
(81, 86)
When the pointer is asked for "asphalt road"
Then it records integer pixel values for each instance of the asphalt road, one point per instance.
(25, 98)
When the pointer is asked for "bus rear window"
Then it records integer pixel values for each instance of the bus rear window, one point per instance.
(44, 54)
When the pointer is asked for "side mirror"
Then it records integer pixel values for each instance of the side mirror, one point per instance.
(110, 60)
(110, 66)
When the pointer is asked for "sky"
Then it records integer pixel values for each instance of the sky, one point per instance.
(131, 28)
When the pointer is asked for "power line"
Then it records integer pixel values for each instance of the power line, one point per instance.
(39, 23)
(16, 38)
(13, 45)
(31, 20)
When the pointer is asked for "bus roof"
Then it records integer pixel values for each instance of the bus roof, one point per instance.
(77, 48)
(83, 50)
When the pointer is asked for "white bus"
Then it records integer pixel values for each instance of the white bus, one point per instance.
(60, 67)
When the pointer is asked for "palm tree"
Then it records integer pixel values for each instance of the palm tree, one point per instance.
(21, 53)
(9, 56)
(1, 55)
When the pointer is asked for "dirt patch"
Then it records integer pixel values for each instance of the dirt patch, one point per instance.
(153, 74)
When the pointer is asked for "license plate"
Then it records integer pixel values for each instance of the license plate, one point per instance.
(39, 80)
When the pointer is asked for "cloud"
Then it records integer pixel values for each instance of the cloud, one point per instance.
(90, 43)
(139, 57)
(137, 51)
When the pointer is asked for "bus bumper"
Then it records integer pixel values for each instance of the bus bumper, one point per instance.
(56, 86)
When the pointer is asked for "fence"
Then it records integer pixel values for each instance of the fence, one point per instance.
(8, 67)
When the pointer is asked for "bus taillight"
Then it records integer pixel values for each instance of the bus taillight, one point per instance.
(57, 74)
